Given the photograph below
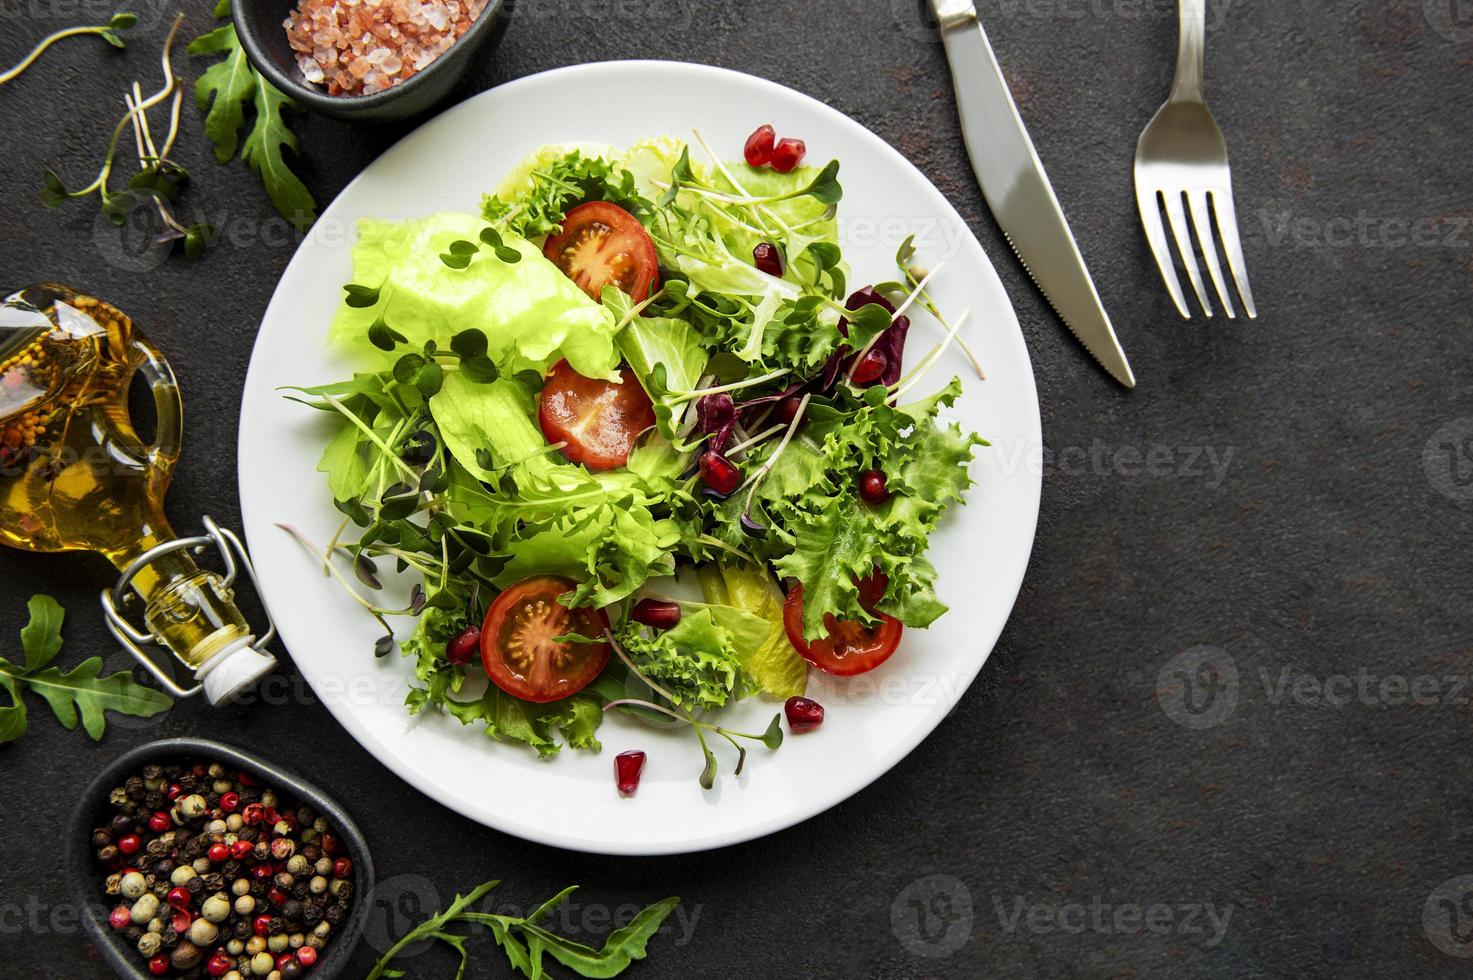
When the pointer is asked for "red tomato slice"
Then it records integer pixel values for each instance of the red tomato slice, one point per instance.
(849, 648)
(519, 645)
(598, 421)
(601, 245)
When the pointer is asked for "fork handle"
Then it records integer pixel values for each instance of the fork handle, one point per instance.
(1190, 52)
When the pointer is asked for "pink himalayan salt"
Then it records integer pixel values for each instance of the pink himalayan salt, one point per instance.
(338, 43)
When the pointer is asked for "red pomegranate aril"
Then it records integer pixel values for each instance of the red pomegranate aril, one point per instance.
(342, 868)
(872, 487)
(241, 849)
(628, 767)
(262, 925)
(804, 714)
(159, 965)
(307, 956)
(788, 154)
(159, 822)
(719, 473)
(178, 898)
(120, 918)
(465, 647)
(758, 150)
(220, 964)
(656, 613)
(230, 802)
(129, 844)
(218, 853)
(767, 258)
(870, 367)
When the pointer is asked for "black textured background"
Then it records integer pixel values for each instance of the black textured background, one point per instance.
(1334, 545)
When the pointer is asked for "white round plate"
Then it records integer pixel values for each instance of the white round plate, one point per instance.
(872, 720)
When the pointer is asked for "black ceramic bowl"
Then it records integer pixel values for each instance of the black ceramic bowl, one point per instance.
(86, 876)
(258, 23)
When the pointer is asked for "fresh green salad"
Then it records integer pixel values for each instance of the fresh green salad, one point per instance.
(632, 367)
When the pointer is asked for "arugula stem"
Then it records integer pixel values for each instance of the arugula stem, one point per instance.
(373, 437)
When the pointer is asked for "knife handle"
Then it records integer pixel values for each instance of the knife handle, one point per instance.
(1190, 52)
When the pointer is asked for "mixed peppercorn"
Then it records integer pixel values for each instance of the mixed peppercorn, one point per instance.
(212, 874)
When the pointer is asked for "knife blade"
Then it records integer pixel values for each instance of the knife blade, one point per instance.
(1018, 190)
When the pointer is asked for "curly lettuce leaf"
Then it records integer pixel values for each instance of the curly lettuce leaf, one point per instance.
(697, 660)
(610, 550)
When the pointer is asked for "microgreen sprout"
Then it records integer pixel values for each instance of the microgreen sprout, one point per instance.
(916, 277)
(121, 21)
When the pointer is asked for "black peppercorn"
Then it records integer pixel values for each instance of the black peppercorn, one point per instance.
(312, 852)
(214, 881)
(108, 854)
(152, 771)
(335, 914)
(101, 838)
(169, 936)
(292, 910)
(277, 924)
(156, 848)
(195, 886)
(231, 869)
(135, 788)
(300, 890)
(241, 929)
(122, 824)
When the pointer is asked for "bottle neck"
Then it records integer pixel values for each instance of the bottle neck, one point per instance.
(189, 610)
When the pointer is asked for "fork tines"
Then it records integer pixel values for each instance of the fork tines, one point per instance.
(1177, 203)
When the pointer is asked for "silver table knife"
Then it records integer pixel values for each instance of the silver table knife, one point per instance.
(1018, 189)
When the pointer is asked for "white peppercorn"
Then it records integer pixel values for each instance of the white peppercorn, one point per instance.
(149, 944)
(201, 865)
(323, 866)
(262, 964)
(192, 806)
(216, 908)
(234, 822)
(245, 905)
(241, 886)
(132, 885)
(203, 932)
(255, 944)
(235, 947)
(144, 909)
(297, 865)
(182, 875)
(317, 885)
(277, 943)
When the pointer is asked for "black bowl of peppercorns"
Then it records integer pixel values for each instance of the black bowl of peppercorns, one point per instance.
(192, 859)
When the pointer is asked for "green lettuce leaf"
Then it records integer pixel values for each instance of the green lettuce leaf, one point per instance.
(529, 310)
(696, 660)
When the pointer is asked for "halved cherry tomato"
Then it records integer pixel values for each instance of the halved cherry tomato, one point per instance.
(519, 645)
(849, 648)
(601, 245)
(597, 420)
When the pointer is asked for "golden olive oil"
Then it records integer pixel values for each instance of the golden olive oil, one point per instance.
(76, 476)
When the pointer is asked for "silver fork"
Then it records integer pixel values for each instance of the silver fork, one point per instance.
(1182, 157)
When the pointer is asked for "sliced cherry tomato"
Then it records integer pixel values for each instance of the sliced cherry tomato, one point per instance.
(598, 421)
(849, 648)
(601, 245)
(519, 645)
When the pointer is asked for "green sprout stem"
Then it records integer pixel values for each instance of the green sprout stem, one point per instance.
(119, 22)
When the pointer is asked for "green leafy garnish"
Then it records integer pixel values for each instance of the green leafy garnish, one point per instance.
(75, 695)
(525, 941)
(224, 90)
(108, 32)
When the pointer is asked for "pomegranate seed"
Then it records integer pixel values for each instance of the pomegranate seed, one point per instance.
(787, 409)
(159, 965)
(758, 150)
(870, 366)
(262, 925)
(788, 154)
(465, 647)
(719, 473)
(220, 964)
(120, 918)
(174, 791)
(159, 822)
(656, 613)
(179, 898)
(253, 814)
(342, 868)
(242, 849)
(767, 258)
(628, 767)
(872, 487)
(230, 802)
(307, 956)
(804, 714)
(219, 853)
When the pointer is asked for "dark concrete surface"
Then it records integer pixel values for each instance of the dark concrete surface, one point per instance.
(1089, 813)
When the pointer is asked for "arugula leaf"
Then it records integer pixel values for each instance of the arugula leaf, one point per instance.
(223, 90)
(75, 695)
(524, 941)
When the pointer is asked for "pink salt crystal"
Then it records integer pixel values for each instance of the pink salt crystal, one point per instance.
(359, 67)
(357, 47)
